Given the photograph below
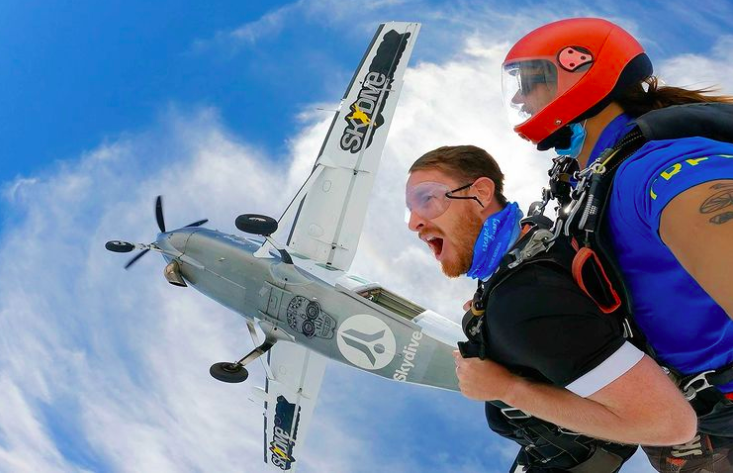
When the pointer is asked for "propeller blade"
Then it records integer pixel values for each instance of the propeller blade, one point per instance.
(134, 260)
(197, 223)
(119, 246)
(159, 213)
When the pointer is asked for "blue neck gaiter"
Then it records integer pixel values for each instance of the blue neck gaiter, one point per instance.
(498, 234)
(577, 140)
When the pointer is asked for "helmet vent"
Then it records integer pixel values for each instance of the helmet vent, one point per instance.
(573, 58)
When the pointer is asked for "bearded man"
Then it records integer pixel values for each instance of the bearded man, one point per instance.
(559, 377)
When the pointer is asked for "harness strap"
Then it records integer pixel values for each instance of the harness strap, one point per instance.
(587, 269)
(563, 443)
(547, 442)
(721, 376)
(697, 388)
(600, 460)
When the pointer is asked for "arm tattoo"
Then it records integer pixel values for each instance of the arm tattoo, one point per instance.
(721, 199)
(722, 218)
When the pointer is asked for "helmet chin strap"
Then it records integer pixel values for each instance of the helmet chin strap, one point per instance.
(559, 139)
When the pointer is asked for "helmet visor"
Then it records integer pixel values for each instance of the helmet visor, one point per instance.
(528, 87)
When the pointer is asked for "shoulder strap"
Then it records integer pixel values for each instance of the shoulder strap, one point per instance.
(709, 120)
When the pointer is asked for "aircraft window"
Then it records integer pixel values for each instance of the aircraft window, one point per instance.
(392, 302)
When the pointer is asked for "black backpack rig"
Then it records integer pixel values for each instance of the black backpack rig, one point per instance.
(577, 243)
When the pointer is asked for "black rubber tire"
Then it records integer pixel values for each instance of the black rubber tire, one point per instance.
(228, 372)
(309, 329)
(256, 224)
(312, 310)
(119, 246)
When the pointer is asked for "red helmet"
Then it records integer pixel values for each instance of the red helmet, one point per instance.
(567, 71)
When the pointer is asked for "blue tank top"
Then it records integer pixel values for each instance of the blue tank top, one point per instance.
(687, 329)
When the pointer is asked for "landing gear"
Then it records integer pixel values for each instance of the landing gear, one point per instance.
(264, 226)
(256, 224)
(228, 372)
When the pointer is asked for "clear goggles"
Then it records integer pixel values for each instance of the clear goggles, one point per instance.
(527, 88)
(431, 199)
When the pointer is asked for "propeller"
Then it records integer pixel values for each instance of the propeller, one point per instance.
(137, 257)
(159, 213)
(119, 246)
(197, 223)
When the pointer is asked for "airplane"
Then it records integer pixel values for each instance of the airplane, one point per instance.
(300, 293)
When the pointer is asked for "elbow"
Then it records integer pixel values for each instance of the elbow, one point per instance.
(687, 429)
(660, 424)
(678, 427)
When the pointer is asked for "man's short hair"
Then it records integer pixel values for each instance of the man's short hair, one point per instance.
(464, 163)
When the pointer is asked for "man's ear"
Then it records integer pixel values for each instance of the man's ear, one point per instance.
(484, 188)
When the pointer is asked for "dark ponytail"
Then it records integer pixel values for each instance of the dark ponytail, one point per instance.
(647, 95)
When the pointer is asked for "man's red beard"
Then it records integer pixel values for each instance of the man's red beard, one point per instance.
(467, 231)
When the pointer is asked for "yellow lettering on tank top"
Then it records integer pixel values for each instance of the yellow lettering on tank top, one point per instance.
(695, 162)
(671, 171)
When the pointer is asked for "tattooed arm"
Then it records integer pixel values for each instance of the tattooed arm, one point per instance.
(697, 226)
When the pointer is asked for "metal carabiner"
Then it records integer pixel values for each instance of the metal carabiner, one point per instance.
(557, 232)
(598, 168)
(537, 243)
(574, 211)
(690, 391)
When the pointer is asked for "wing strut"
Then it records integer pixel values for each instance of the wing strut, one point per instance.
(256, 341)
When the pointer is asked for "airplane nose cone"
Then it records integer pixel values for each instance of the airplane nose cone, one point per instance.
(175, 240)
(178, 240)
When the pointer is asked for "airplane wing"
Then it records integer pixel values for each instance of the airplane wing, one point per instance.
(290, 399)
(328, 212)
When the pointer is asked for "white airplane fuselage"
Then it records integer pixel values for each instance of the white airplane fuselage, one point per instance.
(338, 315)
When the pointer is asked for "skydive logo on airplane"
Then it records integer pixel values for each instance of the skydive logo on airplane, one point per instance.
(366, 342)
(284, 434)
(367, 109)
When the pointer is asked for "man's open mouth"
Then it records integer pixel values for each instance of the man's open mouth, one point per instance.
(435, 244)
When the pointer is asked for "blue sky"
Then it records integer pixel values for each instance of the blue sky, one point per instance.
(77, 73)
(105, 105)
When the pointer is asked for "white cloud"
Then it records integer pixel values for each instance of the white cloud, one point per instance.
(26, 446)
(248, 34)
(293, 15)
(714, 69)
(16, 188)
(127, 353)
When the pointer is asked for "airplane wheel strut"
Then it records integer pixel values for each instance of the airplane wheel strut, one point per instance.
(228, 372)
(235, 372)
